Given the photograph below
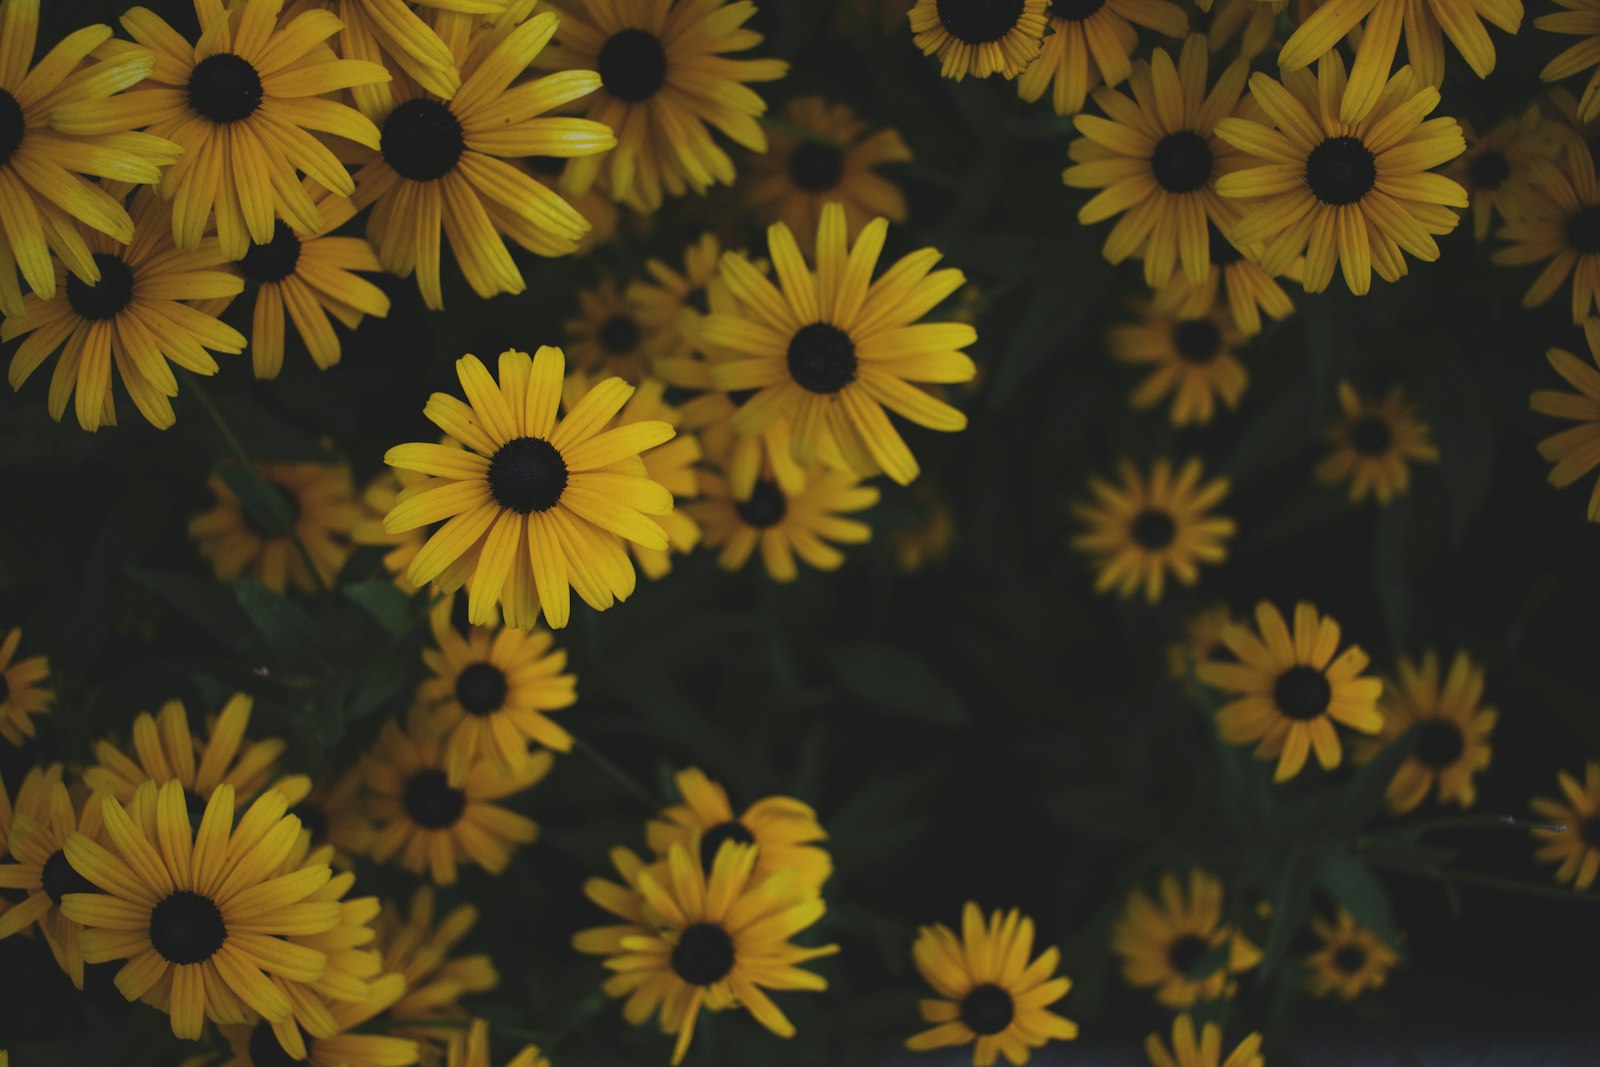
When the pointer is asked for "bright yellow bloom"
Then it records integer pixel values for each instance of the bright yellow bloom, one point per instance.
(1575, 451)
(979, 37)
(1165, 943)
(24, 690)
(1452, 726)
(1576, 846)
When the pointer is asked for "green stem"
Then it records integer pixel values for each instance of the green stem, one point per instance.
(1490, 881)
(620, 776)
(803, 134)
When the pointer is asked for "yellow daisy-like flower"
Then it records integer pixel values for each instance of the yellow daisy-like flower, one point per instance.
(41, 873)
(797, 175)
(1202, 1050)
(200, 914)
(431, 827)
(1355, 194)
(1201, 641)
(1156, 159)
(1090, 42)
(1497, 169)
(668, 83)
(318, 502)
(1235, 280)
(1452, 725)
(45, 174)
(1576, 846)
(412, 40)
(1374, 443)
(377, 500)
(1192, 359)
(420, 945)
(992, 993)
(331, 814)
(448, 165)
(1163, 942)
(1146, 528)
(782, 524)
(23, 691)
(712, 939)
(670, 306)
(1350, 961)
(1581, 18)
(1381, 23)
(925, 540)
(490, 693)
(531, 505)
(1560, 223)
(829, 349)
(1576, 451)
(136, 319)
(1290, 690)
(785, 831)
(471, 1049)
(979, 37)
(258, 1045)
(607, 338)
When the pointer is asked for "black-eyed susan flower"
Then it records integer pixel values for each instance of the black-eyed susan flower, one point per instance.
(669, 83)
(1560, 224)
(784, 830)
(1452, 731)
(199, 913)
(136, 320)
(46, 174)
(1146, 528)
(1575, 846)
(41, 873)
(1497, 169)
(829, 349)
(669, 308)
(1350, 961)
(471, 1049)
(1192, 358)
(1090, 42)
(784, 525)
(837, 163)
(1201, 641)
(1354, 194)
(1374, 445)
(1169, 943)
(429, 826)
(926, 539)
(1581, 18)
(1155, 158)
(1289, 689)
(24, 689)
(258, 1045)
(490, 692)
(531, 505)
(1575, 451)
(1235, 280)
(710, 939)
(992, 992)
(318, 500)
(606, 338)
(1202, 1049)
(331, 814)
(399, 548)
(420, 945)
(979, 37)
(448, 166)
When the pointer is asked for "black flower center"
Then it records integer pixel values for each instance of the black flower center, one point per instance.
(1186, 953)
(1075, 10)
(816, 167)
(1440, 744)
(1489, 170)
(1590, 831)
(1181, 162)
(481, 688)
(1197, 340)
(12, 126)
(1302, 692)
(1350, 959)
(265, 1050)
(187, 928)
(979, 21)
(618, 335)
(1153, 529)
(60, 878)
(431, 803)
(527, 474)
(224, 88)
(106, 298)
(311, 818)
(765, 508)
(712, 839)
(822, 358)
(1341, 170)
(633, 65)
(703, 954)
(275, 260)
(987, 1009)
(1371, 436)
(290, 502)
(421, 140)
(1223, 254)
(1583, 230)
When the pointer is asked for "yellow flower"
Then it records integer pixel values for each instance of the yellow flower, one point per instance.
(607, 338)
(1580, 19)
(38, 837)
(1202, 640)
(23, 690)
(1202, 1051)
(1092, 41)
(1576, 451)
(1576, 846)
(420, 946)
(979, 37)
(783, 524)
(1560, 222)
(1374, 443)
(1497, 169)
(377, 500)
(784, 830)
(471, 1049)
(411, 40)
(1192, 356)
(670, 307)
(1452, 725)
(318, 501)
(1164, 941)
(259, 1046)
(1350, 961)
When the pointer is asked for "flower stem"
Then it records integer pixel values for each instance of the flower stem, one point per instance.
(617, 774)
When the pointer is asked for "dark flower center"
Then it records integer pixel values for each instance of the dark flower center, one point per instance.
(1341, 170)
(481, 688)
(1153, 529)
(224, 88)
(527, 474)
(1186, 953)
(12, 126)
(816, 167)
(712, 839)
(1075, 10)
(1371, 436)
(1350, 959)
(822, 358)
(1181, 162)
(106, 298)
(1223, 254)
(311, 818)
(1590, 831)
(1489, 170)
(187, 928)
(1583, 230)
(265, 1050)
(703, 954)
(1302, 692)
(633, 65)
(5, 688)
(1440, 744)
(290, 502)
(979, 21)
(1197, 340)
(697, 299)
(421, 140)
(618, 335)
(275, 260)
(765, 508)
(60, 878)
(987, 1009)
(431, 803)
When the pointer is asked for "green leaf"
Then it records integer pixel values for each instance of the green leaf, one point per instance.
(1361, 798)
(388, 606)
(203, 601)
(1291, 900)
(1348, 882)
(385, 677)
(895, 681)
(264, 505)
(283, 624)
